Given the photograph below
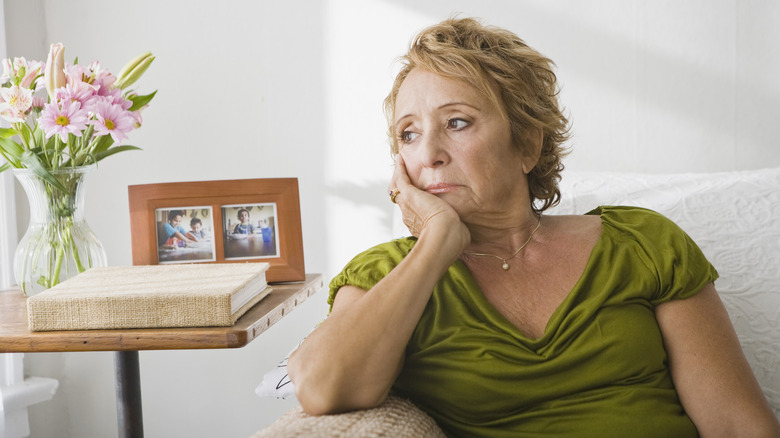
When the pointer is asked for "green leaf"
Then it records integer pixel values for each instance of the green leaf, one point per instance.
(114, 150)
(25, 134)
(49, 144)
(7, 132)
(5, 167)
(11, 151)
(12, 147)
(103, 143)
(30, 160)
(141, 101)
(9, 161)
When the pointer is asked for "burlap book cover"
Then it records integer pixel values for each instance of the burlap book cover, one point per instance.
(150, 296)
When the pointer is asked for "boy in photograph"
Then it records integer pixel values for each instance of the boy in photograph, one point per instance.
(196, 228)
(175, 231)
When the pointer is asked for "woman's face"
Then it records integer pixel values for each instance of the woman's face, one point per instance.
(456, 145)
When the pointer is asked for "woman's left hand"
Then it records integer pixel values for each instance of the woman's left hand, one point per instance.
(423, 211)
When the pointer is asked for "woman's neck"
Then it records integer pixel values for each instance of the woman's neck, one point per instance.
(502, 236)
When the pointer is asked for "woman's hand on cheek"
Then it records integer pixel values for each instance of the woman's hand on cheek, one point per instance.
(422, 211)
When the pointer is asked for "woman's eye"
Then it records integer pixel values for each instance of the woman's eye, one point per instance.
(408, 136)
(457, 124)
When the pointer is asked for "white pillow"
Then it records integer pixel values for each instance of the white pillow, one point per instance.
(735, 218)
(276, 383)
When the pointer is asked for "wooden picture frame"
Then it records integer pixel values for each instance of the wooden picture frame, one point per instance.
(274, 238)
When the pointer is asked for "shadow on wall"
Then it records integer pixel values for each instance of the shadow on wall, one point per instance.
(693, 80)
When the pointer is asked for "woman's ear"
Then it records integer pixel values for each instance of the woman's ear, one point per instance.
(533, 149)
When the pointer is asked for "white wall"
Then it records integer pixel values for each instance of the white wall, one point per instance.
(252, 89)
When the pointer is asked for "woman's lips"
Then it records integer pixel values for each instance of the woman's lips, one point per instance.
(441, 188)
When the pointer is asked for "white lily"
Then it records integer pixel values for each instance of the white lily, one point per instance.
(54, 75)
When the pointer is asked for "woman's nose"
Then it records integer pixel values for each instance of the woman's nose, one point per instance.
(434, 150)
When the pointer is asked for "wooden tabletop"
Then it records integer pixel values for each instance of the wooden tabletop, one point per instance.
(15, 337)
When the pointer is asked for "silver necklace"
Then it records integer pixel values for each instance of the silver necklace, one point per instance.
(505, 266)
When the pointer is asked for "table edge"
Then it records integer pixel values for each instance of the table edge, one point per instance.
(258, 319)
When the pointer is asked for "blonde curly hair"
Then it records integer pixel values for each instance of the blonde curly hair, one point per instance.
(519, 80)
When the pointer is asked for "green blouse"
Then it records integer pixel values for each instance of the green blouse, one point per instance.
(599, 370)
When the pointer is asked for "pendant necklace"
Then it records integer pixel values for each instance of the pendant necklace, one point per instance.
(505, 266)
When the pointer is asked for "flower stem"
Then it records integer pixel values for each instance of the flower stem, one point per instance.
(55, 276)
(69, 238)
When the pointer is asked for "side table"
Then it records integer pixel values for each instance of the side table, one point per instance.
(15, 337)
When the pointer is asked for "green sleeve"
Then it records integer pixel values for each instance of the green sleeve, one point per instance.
(371, 266)
(679, 265)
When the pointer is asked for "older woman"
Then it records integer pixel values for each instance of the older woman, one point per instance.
(499, 321)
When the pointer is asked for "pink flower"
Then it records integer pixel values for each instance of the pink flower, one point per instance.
(16, 102)
(38, 102)
(31, 72)
(10, 114)
(111, 118)
(113, 96)
(80, 79)
(79, 92)
(139, 120)
(11, 69)
(64, 120)
(21, 72)
(102, 77)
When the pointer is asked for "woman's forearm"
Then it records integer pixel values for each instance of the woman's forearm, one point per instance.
(353, 358)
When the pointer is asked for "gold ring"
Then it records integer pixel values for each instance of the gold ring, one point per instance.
(393, 193)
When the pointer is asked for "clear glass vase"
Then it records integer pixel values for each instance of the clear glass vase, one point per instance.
(58, 243)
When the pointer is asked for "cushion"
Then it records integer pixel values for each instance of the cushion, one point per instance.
(735, 218)
(276, 383)
(394, 418)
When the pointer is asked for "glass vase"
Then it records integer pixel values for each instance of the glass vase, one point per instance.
(58, 243)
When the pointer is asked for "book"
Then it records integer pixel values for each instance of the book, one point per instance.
(150, 296)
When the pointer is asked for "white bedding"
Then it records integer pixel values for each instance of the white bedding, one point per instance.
(735, 219)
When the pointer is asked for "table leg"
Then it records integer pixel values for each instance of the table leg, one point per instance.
(128, 394)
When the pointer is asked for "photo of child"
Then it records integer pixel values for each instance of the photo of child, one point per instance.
(250, 231)
(197, 230)
(179, 244)
(174, 232)
(244, 226)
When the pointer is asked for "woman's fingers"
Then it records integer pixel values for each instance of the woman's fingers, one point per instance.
(409, 198)
(421, 210)
(417, 206)
(400, 181)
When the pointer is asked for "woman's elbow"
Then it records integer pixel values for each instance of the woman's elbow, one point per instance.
(318, 400)
(313, 396)
(314, 402)
(326, 395)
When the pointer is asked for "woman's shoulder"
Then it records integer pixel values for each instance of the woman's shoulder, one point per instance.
(643, 226)
(627, 216)
(623, 211)
(392, 251)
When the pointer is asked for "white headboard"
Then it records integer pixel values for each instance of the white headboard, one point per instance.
(735, 219)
